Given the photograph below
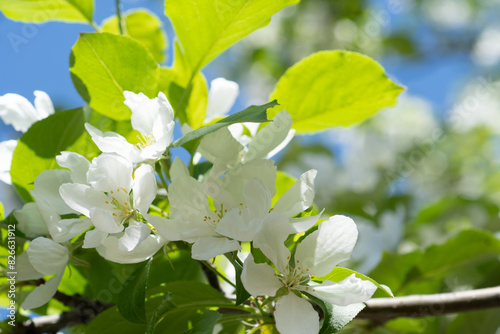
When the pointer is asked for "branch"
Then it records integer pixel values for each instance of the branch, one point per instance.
(416, 306)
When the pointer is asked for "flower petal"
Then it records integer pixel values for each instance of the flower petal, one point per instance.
(47, 256)
(109, 249)
(82, 198)
(134, 235)
(220, 145)
(331, 244)
(78, 164)
(295, 315)
(6, 153)
(209, 247)
(111, 142)
(47, 185)
(30, 221)
(269, 137)
(110, 172)
(18, 111)
(25, 270)
(103, 220)
(221, 97)
(299, 197)
(187, 197)
(66, 229)
(349, 291)
(178, 168)
(259, 279)
(94, 238)
(43, 293)
(144, 188)
(169, 229)
(43, 104)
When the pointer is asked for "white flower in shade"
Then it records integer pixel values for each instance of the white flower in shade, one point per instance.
(152, 118)
(241, 201)
(21, 114)
(316, 256)
(115, 199)
(264, 144)
(42, 257)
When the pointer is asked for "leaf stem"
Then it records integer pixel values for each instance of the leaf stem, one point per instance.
(119, 16)
(208, 265)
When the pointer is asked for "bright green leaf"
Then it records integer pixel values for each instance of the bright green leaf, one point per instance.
(1, 211)
(38, 147)
(206, 28)
(333, 88)
(145, 27)
(104, 65)
(338, 274)
(48, 10)
(255, 114)
(206, 324)
(132, 299)
(284, 182)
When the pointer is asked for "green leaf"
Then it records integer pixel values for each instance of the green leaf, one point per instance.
(284, 182)
(484, 322)
(336, 317)
(338, 274)
(38, 147)
(333, 88)
(241, 293)
(104, 65)
(48, 10)
(1, 211)
(132, 299)
(206, 28)
(188, 95)
(143, 26)
(165, 305)
(255, 114)
(206, 324)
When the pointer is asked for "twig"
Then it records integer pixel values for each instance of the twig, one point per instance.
(417, 306)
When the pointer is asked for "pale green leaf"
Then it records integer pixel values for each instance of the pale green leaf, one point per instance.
(1, 211)
(143, 26)
(338, 274)
(255, 114)
(206, 28)
(48, 10)
(38, 147)
(333, 88)
(104, 65)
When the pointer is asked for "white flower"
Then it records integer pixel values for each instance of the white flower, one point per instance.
(153, 118)
(114, 199)
(316, 255)
(242, 200)
(221, 97)
(42, 257)
(18, 111)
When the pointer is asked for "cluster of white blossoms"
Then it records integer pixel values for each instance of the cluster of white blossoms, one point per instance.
(109, 200)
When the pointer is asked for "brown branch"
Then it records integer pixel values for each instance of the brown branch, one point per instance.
(417, 306)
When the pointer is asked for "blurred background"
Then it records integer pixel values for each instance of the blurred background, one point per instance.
(412, 176)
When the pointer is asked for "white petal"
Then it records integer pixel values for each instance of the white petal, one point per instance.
(169, 229)
(109, 172)
(349, 291)
(295, 315)
(221, 97)
(82, 198)
(220, 145)
(43, 104)
(6, 152)
(43, 293)
(78, 164)
(18, 111)
(103, 220)
(271, 238)
(187, 197)
(209, 247)
(282, 145)
(144, 188)
(66, 229)
(134, 235)
(47, 185)
(110, 250)
(259, 279)
(178, 168)
(269, 137)
(302, 224)
(299, 197)
(30, 221)
(47, 256)
(25, 270)
(331, 244)
(94, 238)
(111, 142)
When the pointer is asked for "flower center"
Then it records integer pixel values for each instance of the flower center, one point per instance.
(213, 219)
(145, 140)
(121, 209)
(296, 278)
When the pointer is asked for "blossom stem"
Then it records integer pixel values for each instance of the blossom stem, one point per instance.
(208, 265)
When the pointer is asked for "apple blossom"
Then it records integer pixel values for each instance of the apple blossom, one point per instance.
(293, 275)
(152, 118)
